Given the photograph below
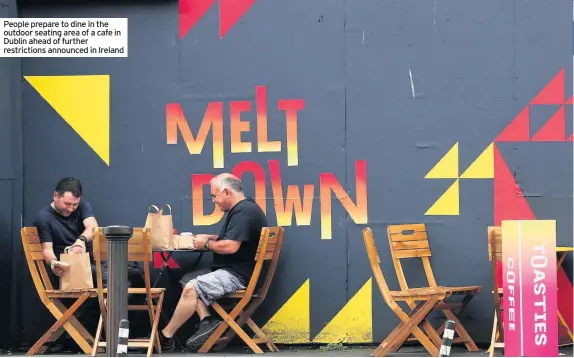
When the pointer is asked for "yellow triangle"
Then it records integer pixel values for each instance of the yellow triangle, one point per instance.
(84, 103)
(483, 166)
(354, 322)
(292, 323)
(448, 203)
(447, 167)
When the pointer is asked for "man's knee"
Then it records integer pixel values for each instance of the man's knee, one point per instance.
(189, 291)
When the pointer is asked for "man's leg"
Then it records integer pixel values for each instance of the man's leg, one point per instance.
(187, 305)
(209, 288)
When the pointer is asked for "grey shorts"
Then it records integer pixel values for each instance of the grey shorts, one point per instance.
(212, 285)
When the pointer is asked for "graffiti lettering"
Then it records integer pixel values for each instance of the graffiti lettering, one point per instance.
(291, 203)
(213, 122)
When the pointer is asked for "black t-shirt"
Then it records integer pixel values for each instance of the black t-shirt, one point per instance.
(63, 231)
(243, 223)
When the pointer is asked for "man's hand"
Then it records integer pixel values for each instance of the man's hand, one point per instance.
(79, 247)
(57, 270)
(199, 241)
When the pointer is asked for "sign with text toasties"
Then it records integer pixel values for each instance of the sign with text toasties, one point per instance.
(530, 290)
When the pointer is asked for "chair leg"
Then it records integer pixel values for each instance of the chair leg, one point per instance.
(63, 318)
(428, 328)
(154, 338)
(493, 338)
(98, 336)
(229, 322)
(242, 318)
(260, 334)
(76, 323)
(410, 325)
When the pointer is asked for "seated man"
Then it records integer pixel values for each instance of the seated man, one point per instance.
(69, 221)
(234, 251)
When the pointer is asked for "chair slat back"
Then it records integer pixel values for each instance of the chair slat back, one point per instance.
(375, 262)
(139, 249)
(269, 249)
(410, 241)
(136, 245)
(494, 241)
(35, 259)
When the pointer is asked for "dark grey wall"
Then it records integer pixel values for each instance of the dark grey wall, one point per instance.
(10, 186)
(474, 65)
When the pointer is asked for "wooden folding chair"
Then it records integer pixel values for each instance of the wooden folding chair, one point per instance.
(139, 249)
(495, 257)
(428, 299)
(268, 251)
(51, 298)
(411, 241)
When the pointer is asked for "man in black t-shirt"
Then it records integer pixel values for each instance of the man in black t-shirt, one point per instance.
(234, 251)
(69, 221)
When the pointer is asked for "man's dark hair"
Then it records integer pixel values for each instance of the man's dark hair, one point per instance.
(69, 184)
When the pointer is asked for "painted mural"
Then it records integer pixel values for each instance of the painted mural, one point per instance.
(264, 125)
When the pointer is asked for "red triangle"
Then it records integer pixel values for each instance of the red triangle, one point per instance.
(230, 11)
(190, 11)
(158, 261)
(570, 101)
(571, 138)
(509, 204)
(518, 130)
(553, 93)
(554, 130)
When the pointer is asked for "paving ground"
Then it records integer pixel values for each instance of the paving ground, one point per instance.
(322, 351)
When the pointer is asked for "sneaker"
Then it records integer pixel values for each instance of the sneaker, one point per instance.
(205, 329)
(167, 344)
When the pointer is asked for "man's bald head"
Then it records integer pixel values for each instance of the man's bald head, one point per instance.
(226, 191)
(227, 181)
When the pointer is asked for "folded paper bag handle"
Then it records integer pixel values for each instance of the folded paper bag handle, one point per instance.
(155, 207)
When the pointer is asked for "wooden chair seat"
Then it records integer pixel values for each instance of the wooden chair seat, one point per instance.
(142, 291)
(464, 290)
(239, 294)
(74, 293)
(423, 293)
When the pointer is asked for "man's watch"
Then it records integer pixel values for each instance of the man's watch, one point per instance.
(206, 245)
(83, 238)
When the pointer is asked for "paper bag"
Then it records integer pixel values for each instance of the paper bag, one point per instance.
(80, 272)
(184, 242)
(161, 227)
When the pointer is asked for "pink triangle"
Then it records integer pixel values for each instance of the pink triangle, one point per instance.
(509, 202)
(230, 11)
(570, 101)
(554, 130)
(190, 11)
(553, 93)
(571, 138)
(158, 261)
(518, 130)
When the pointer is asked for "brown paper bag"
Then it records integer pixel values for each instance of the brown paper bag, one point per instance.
(161, 226)
(80, 272)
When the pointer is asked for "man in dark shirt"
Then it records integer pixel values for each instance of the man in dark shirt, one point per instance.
(69, 221)
(234, 251)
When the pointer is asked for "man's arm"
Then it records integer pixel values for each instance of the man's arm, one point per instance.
(90, 225)
(239, 229)
(224, 247)
(48, 251)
